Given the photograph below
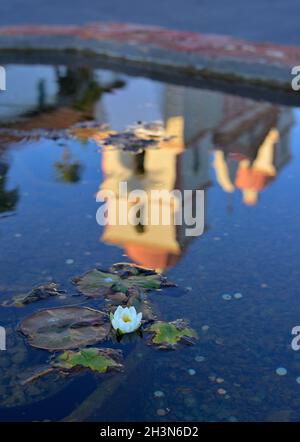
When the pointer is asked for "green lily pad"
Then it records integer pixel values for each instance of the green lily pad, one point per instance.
(65, 328)
(98, 360)
(166, 335)
(120, 278)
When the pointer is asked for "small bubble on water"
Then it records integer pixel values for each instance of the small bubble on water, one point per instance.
(205, 328)
(159, 394)
(238, 295)
(222, 392)
(69, 261)
(226, 297)
(161, 412)
(191, 371)
(219, 380)
(199, 358)
(298, 380)
(281, 371)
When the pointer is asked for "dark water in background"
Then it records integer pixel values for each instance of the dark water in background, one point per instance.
(245, 155)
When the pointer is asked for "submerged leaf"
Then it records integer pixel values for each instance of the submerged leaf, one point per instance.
(166, 335)
(65, 328)
(36, 294)
(99, 360)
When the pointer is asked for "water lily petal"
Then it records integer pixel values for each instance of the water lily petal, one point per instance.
(126, 311)
(126, 327)
(115, 324)
(139, 318)
(132, 311)
(118, 312)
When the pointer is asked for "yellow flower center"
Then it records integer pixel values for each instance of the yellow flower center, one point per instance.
(126, 318)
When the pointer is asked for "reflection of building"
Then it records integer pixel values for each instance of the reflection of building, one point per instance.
(155, 246)
(181, 162)
(250, 145)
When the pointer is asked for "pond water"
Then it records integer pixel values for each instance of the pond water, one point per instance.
(237, 283)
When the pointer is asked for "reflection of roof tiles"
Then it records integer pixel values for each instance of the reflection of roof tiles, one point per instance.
(247, 122)
(152, 258)
(254, 179)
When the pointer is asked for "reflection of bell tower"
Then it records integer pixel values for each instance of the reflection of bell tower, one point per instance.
(175, 165)
(152, 246)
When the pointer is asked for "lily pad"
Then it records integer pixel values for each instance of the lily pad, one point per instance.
(65, 328)
(166, 335)
(120, 278)
(98, 360)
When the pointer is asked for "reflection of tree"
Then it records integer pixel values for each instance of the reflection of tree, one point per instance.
(68, 170)
(78, 89)
(8, 198)
(79, 92)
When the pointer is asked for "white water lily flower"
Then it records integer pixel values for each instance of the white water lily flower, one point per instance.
(126, 320)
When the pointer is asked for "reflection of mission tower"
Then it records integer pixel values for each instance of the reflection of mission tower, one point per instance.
(180, 163)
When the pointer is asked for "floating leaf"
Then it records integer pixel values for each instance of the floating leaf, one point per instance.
(120, 278)
(135, 139)
(99, 360)
(166, 335)
(65, 328)
(36, 294)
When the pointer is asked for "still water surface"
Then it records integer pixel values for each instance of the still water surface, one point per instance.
(244, 154)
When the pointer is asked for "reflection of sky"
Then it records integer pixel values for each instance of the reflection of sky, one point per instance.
(21, 93)
(139, 100)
